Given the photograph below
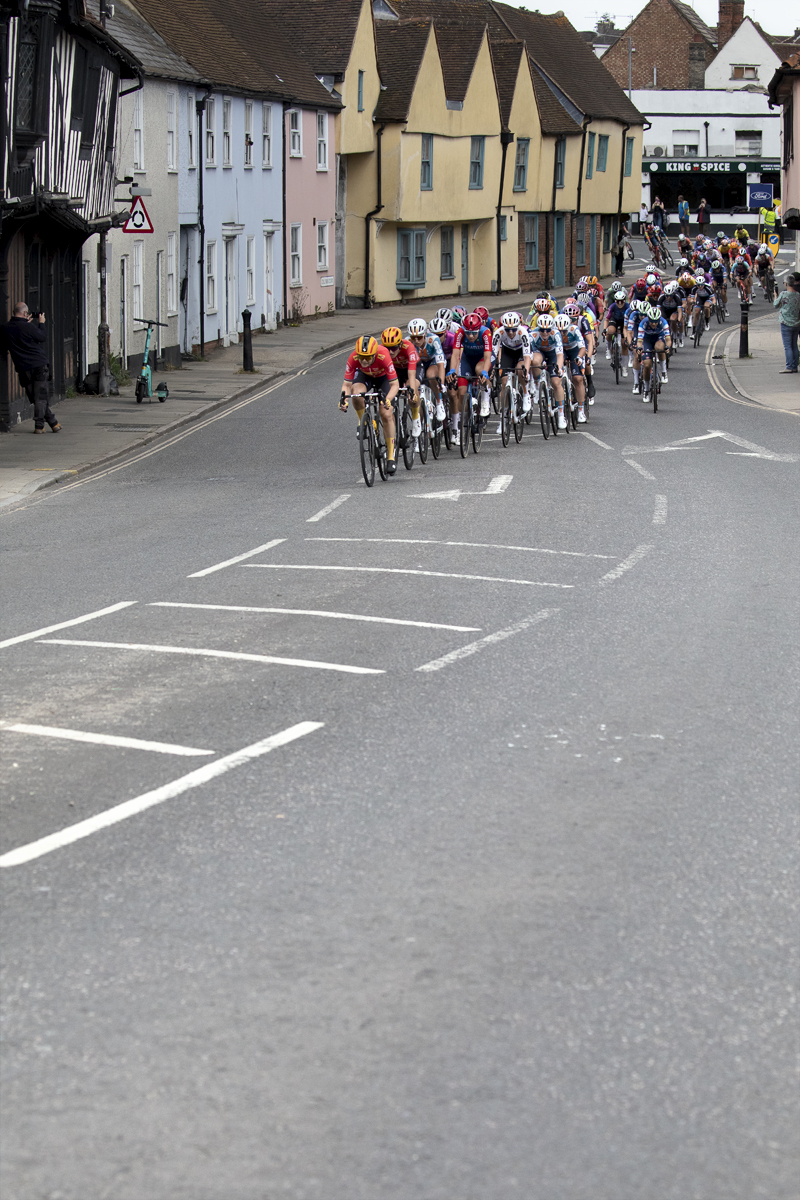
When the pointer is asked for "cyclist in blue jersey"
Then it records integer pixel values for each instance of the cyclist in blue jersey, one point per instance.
(431, 360)
(636, 308)
(548, 352)
(575, 354)
(653, 338)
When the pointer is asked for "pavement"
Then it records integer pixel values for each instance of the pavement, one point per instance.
(758, 378)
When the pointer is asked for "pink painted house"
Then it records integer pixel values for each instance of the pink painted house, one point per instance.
(310, 211)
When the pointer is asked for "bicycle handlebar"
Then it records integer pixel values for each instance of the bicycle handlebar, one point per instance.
(146, 321)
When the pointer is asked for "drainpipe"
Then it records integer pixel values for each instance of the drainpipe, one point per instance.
(547, 275)
(369, 217)
(200, 107)
(506, 138)
(706, 123)
(285, 231)
(584, 127)
(622, 168)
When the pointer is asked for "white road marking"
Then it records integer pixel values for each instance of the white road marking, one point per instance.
(315, 612)
(37, 633)
(402, 571)
(130, 808)
(500, 636)
(105, 739)
(229, 562)
(323, 512)
(469, 545)
(234, 654)
(597, 441)
(496, 486)
(685, 443)
(638, 467)
(660, 511)
(626, 564)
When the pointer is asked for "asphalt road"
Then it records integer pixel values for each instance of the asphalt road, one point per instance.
(514, 916)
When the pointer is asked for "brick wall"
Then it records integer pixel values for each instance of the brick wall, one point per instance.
(540, 278)
(664, 40)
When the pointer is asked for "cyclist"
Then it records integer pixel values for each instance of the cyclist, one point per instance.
(614, 321)
(431, 360)
(575, 351)
(635, 310)
(472, 355)
(680, 296)
(406, 360)
(719, 280)
(653, 337)
(670, 305)
(763, 265)
(371, 366)
(511, 350)
(741, 234)
(597, 294)
(701, 297)
(548, 352)
(741, 274)
(652, 241)
(638, 290)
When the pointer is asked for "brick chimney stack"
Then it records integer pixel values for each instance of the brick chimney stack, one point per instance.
(731, 15)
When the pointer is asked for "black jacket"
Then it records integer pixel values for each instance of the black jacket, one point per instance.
(26, 343)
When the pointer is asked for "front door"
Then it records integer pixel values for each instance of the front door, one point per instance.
(231, 325)
(464, 259)
(593, 246)
(159, 304)
(559, 265)
(269, 282)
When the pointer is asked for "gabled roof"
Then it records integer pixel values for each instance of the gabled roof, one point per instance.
(236, 46)
(506, 57)
(401, 48)
(566, 59)
(688, 13)
(554, 117)
(323, 31)
(134, 33)
(461, 25)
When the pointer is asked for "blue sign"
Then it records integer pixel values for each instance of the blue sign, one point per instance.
(759, 195)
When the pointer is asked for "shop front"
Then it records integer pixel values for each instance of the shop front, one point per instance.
(721, 182)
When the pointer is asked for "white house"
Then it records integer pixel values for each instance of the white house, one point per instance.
(747, 59)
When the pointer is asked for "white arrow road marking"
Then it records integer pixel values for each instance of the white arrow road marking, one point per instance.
(470, 545)
(192, 650)
(130, 808)
(323, 512)
(383, 571)
(316, 612)
(597, 441)
(473, 647)
(756, 451)
(104, 739)
(638, 467)
(37, 633)
(496, 486)
(626, 564)
(238, 558)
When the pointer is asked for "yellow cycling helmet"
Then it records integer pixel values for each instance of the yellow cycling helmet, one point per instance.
(592, 281)
(366, 347)
(391, 337)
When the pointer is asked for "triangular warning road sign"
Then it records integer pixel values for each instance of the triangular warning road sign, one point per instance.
(138, 220)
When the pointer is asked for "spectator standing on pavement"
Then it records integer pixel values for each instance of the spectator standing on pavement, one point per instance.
(26, 341)
(683, 215)
(659, 214)
(788, 306)
(703, 216)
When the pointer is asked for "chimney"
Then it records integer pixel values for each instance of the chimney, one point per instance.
(731, 15)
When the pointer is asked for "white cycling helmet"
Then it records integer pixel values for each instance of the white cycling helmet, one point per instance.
(653, 313)
(699, 277)
(683, 262)
(446, 314)
(438, 326)
(562, 322)
(651, 267)
(763, 248)
(417, 327)
(511, 321)
(671, 287)
(739, 258)
(652, 279)
(546, 321)
(572, 310)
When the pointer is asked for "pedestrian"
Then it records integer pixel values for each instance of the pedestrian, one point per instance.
(25, 339)
(659, 213)
(703, 216)
(644, 216)
(788, 306)
(619, 249)
(683, 215)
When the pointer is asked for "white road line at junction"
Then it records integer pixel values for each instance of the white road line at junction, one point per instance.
(638, 467)
(497, 485)
(469, 545)
(626, 564)
(130, 808)
(318, 612)
(105, 739)
(323, 512)
(596, 440)
(233, 654)
(437, 664)
(402, 571)
(37, 633)
(660, 511)
(229, 562)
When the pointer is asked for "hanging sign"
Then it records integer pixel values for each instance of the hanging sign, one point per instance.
(138, 219)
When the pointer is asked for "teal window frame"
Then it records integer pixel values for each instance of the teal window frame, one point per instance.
(530, 230)
(426, 161)
(447, 243)
(590, 155)
(503, 228)
(360, 91)
(476, 153)
(628, 156)
(411, 277)
(561, 161)
(602, 152)
(606, 235)
(580, 241)
(521, 165)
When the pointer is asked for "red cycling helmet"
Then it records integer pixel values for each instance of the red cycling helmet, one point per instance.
(483, 313)
(653, 292)
(472, 322)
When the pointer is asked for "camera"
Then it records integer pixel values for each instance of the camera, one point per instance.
(34, 314)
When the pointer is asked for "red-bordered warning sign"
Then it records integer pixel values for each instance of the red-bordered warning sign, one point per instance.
(138, 221)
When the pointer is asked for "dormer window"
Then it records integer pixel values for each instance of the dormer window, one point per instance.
(26, 76)
(742, 72)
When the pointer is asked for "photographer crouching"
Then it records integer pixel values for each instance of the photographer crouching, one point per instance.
(26, 338)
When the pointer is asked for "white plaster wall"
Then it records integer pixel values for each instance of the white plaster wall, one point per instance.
(746, 48)
(726, 111)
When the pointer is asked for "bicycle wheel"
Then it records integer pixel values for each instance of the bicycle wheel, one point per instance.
(669, 258)
(698, 329)
(551, 400)
(408, 441)
(519, 424)
(423, 441)
(506, 401)
(573, 410)
(629, 252)
(366, 446)
(380, 448)
(616, 361)
(478, 423)
(466, 425)
(446, 430)
(655, 387)
(544, 416)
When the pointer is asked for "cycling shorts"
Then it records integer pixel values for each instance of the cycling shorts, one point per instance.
(576, 361)
(509, 358)
(649, 346)
(422, 368)
(374, 383)
(550, 359)
(402, 375)
(471, 362)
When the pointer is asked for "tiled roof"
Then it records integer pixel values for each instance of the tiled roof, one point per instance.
(554, 117)
(505, 57)
(322, 30)
(573, 66)
(401, 46)
(236, 45)
(460, 25)
(688, 13)
(129, 28)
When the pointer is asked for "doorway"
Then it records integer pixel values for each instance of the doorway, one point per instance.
(159, 304)
(230, 332)
(559, 251)
(464, 260)
(593, 245)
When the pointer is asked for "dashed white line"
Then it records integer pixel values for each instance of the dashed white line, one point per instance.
(229, 562)
(232, 654)
(660, 511)
(596, 440)
(626, 563)
(469, 545)
(437, 664)
(403, 571)
(638, 467)
(130, 808)
(318, 612)
(323, 512)
(104, 739)
(37, 633)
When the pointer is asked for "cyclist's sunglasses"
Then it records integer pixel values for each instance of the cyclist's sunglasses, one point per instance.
(366, 358)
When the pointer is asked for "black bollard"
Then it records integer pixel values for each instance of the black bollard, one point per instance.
(744, 339)
(247, 342)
